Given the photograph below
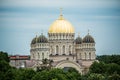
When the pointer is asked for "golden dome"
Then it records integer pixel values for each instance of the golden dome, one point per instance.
(61, 26)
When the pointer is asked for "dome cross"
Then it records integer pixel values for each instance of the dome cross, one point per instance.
(88, 31)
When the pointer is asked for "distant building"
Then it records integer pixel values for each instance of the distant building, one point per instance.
(19, 61)
(62, 47)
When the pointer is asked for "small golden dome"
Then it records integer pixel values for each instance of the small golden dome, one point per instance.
(61, 26)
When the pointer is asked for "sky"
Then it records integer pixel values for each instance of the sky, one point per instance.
(21, 20)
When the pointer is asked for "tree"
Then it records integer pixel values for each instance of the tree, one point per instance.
(25, 74)
(47, 65)
(72, 70)
(4, 56)
(4, 66)
(98, 67)
(10, 74)
(94, 76)
(111, 68)
(109, 59)
(52, 74)
(114, 76)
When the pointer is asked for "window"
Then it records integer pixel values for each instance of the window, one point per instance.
(47, 55)
(80, 55)
(89, 55)
(33, 56)
(63, 49)
(85, 55)
(69, 49)
(57, 48)
(51, 50)
(38, 55)
(42, 55)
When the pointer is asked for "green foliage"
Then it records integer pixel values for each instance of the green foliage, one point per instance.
(4, 56)
(4, 66)
(25, 74)
(94, 76)
(10, 74)
(114, 76)
(72, 70)
(102, 68)
(57, 74)
(108, 68)
(45, 66)
(98, 67)
(111, 68)
(109, 59)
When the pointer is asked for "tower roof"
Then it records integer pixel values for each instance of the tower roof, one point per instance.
(78, 40)
(88, 39)
(40, 39)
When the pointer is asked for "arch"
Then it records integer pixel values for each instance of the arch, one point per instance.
(66, 63)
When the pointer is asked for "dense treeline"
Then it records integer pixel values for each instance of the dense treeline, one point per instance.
(107, 66)
(109, 59)
(98, 71)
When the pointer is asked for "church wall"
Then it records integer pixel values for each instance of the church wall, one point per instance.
(61, 46)
(60, 58)
(39, 51)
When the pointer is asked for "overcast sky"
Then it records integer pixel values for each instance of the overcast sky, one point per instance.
(20, 20)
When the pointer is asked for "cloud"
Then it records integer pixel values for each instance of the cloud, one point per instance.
(61, 3)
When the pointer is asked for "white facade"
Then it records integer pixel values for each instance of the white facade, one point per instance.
(61, 45)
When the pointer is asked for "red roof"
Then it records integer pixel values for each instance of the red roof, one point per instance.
(21, 57)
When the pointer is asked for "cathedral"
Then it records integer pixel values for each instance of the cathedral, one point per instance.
(61, 46)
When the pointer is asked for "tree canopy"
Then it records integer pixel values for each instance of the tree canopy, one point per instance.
(109, 59)
(107, 68)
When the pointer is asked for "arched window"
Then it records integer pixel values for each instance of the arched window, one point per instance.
(38, 55)
(51, 50)
(33, 56)
(57, 49)
(89, 55)
(77, 56)
(47, 55)
(85, 55)
(42, 55)
(80, 55)
(69, 49)
(63, 49)
(63, 36)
